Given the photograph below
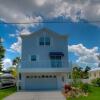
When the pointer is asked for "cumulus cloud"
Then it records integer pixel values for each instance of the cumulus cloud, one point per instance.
(40, 2)
(7, 63)
(1, 39)
(36, 10)
(11, 12)
(17, 45)
(13, 35)
(85, 55)
(30, 22)
(25, 32)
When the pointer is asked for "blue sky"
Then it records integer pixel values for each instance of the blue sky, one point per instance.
(83, 34)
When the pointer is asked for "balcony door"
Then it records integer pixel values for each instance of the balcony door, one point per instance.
(56, 61)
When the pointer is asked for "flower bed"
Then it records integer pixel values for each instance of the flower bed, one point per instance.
(75, 92)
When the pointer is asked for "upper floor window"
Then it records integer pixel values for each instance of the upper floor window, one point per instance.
(33, 58)
(47, 41)
(41, 41)
(44, 41)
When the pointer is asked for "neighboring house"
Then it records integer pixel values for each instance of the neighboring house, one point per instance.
(44, 60)
(94, 73)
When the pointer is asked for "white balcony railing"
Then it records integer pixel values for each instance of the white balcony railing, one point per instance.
(44, 64)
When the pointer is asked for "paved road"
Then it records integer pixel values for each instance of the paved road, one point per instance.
(47, 95)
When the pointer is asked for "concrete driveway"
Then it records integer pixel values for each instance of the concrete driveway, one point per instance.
(47, 95)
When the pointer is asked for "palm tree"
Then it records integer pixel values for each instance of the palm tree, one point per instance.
(16, 62)
(2, 53)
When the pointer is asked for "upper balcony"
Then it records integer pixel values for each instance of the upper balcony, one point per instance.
(45, 66)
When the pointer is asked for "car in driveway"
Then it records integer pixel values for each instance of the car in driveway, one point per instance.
(7, 80)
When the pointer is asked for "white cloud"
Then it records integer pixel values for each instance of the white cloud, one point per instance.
(1, 39)
(16, 15)
(17, 45)
(13, 35)
(67, 10)
(33, 10)
(30, 22)
(7, 63)
(10, 50)
(40, 2)
(25, 32)
(85, 55)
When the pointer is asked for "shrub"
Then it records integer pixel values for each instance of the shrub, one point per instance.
(76, 83)
(67, 88)
(93, 82)
(96, 82)
(85, 87)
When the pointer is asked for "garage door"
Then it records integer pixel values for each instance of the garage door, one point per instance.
(41, 83)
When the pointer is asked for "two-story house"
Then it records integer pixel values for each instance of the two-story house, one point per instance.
(44, 60)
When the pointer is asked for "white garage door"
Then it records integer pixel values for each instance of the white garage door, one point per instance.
(41, 83)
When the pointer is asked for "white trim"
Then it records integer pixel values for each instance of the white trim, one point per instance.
(44, 70)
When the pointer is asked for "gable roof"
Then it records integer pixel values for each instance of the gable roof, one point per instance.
(45, 30)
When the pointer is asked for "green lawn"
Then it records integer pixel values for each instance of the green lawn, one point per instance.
(93, 95)
(6, 92)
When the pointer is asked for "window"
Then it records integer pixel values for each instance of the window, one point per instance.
(46, 76)
(41, 41)
(47, 41)
(19, 76)
(62, 79)
(35, 76)
(44, 41)
(50, 76)
(54, 76)
(33, 58)
(27, 77)
(56, 61)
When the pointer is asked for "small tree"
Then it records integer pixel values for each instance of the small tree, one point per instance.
(76, 73)
(2, 53)
(96, 82)
(86, 72)
(76, 76)
(13, 71)
(16, 61)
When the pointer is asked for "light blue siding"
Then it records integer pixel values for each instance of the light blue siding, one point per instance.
(30, 46)
(42, 65)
